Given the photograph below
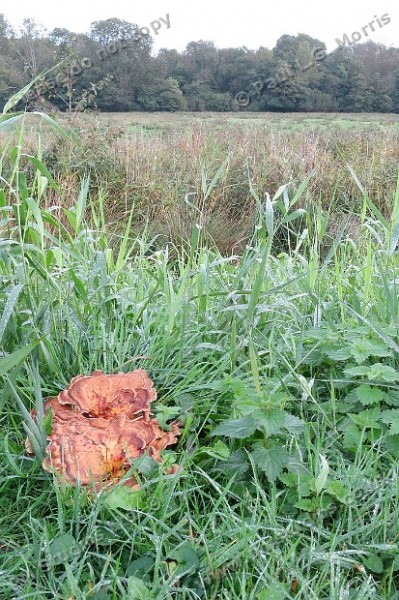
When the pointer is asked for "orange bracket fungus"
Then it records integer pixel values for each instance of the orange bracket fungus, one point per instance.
(100, 423)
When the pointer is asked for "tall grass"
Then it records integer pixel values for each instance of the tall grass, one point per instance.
(152, 163)
(281, 366)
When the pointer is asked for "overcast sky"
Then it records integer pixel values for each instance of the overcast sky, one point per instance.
(252, 23)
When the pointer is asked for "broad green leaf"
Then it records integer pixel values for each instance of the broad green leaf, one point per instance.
(123, 497)
(368, 395)
(137, 590)
(294, 425)
(340, 492)
(271, 461)
(237, 462)
(236, 428)
(360, 350)
(380, 372)
(379, 348)
(391, 444)
(64, 549)
(305, 504)
(81, 203)
(338, 354)
(187, 559)
(141, 567)
(352, 437)
(394, 428)
(219, 451)
(374, 563)
(376, 372)
(272, 422)
(367, 419)
(390, 416)
(357, 372)
(391, 398)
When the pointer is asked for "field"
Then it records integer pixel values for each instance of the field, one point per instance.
(250, 264)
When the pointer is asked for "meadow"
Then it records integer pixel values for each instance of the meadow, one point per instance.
(250, 264)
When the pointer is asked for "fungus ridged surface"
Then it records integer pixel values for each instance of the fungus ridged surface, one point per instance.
(100, 424)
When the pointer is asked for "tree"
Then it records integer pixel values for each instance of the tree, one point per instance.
(163, 95)
(11, 75)
(125, 54)
(112, 68)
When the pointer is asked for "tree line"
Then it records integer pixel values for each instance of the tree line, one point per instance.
(113, 68)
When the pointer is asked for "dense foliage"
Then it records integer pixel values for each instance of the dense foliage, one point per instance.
(282, 367)
(112, 68)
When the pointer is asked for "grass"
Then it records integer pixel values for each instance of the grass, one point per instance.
(154, 162)
(280, 361)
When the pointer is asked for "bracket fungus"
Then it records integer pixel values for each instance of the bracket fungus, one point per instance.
(100, 424)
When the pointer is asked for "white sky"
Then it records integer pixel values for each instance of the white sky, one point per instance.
(252, 23)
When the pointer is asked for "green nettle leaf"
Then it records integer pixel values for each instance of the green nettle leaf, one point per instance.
(391, 418)
(378, 348)
(219, 451)
(382, 372)
(236, 428)
(296, 466)
(352, 437)
(391, 444)
(246, 406)
(360, 350)
(289, 479)
(270, 460)
(391, 398)
(340, 492)
(124, 498)
(272, 421)
(394, 428)
(357, 372)
(294, 425)
(338, 354)
(237, 462)
(367, 419)
(166, 414)
(376, 372)
(368, 395)
(305, 504)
